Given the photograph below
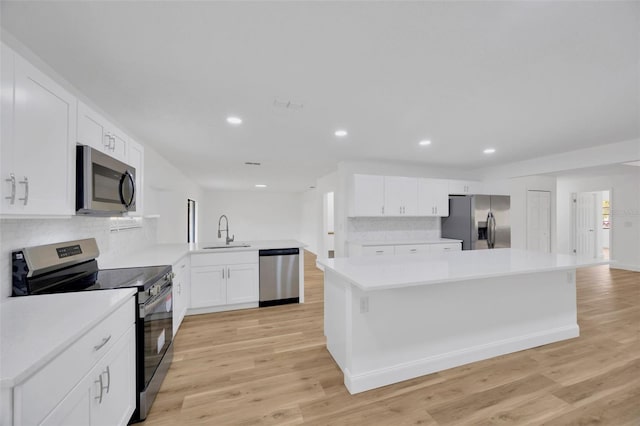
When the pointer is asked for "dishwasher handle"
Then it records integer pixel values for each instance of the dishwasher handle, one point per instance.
(279, 252)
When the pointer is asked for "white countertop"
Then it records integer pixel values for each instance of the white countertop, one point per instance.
(405, 242)
(386, 272)
(168, 254)
(35, 329)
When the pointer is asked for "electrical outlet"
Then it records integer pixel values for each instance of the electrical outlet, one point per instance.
(364, 305)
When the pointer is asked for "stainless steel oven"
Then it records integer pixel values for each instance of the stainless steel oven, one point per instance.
(71, 266)
(104, 185)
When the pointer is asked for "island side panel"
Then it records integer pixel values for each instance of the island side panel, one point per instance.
(412, 331)
(337, 317)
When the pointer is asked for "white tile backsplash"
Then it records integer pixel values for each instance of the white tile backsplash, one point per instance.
(19, 233)
(392, 228)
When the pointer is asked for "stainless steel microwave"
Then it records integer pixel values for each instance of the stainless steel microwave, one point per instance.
(104, 185)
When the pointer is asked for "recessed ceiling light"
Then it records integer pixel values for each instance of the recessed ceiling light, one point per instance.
(341, 133)
(424, 142)
(489, 151)
(261, 185)
(234, 120)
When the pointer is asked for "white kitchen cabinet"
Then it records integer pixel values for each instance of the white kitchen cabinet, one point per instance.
(411, 249)
(446, 247)
(95, 131)
(224, 281)
(433, 197)
(38, 141)
(400, 196)
(106, 396)
(463, 187)
(135, 158)
(181, 287)
(377, 250)
(368, 196)
(67, 391)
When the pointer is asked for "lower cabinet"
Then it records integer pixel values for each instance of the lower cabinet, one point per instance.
(401, 249)
(92, 382)
(181, 289)
(106, 396)
(223, 281)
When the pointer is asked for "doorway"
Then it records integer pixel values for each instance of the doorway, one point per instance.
(592, 224)
(328, 234)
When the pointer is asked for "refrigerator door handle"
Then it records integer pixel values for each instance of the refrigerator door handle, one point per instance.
(491, 230)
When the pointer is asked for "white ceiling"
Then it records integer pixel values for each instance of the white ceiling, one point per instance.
(527, 78)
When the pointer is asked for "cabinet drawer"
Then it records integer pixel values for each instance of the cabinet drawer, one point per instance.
(446, 247)
(211, 259)
(50, 385)
(377, 250)
(411, 249)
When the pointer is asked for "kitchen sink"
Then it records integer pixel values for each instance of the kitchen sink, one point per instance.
(221, 246)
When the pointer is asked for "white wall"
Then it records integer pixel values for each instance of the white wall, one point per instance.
(625, 213)
(166, 192)
(253, 215)
(311, 215)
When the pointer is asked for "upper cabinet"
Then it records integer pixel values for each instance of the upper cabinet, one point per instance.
(135, 158)
(38, 141)
(95, 131)
(400, 196)
(368, 196)
(390, 196)
(433, 197)
(463, 187)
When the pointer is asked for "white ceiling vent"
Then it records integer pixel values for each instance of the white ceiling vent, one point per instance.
(287, 104)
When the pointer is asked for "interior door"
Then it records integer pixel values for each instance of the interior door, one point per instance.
(539, 221)
(586, 222)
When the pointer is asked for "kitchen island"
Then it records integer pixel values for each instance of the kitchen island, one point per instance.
(392, 318)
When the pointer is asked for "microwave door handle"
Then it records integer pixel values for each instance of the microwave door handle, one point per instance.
(127, 203)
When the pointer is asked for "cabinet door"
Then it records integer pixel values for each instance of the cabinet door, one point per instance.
(368, 195)
(114, 402)
(242, 283)
(120, 144)
(74, 409)
(91, 129)
(411, 249)
(461, 187)
(180, 292)
(377, 250)
(42, 152)
(426, 197)
(440, 196)
(446, 247)
(400, 196)
(135, 158)
(208, 286)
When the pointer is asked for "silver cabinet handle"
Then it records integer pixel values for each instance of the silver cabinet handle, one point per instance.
(113, 147)
(106, 143)
(436, 209)
(382, 209)
(413, 250)
(179, 288)
(99, 382)
(379, 251)
(223, 273)
(228, 273)
(101, 344)
(12, 197)
(183, 266)
(25, 182)
(400, 210)
(108, 378)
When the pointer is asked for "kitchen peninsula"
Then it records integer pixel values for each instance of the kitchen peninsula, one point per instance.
(392, 318)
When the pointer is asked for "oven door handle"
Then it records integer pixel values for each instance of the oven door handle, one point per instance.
(145, 308)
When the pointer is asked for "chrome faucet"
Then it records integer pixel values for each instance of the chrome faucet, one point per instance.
(226, 219)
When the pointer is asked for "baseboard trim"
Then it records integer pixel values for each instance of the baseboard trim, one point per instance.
(633, 268)
(223, 308)
(357, 383)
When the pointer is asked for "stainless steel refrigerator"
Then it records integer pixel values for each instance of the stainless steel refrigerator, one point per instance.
(480, 221)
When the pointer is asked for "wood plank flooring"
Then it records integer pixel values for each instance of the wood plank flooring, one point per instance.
(269, 366)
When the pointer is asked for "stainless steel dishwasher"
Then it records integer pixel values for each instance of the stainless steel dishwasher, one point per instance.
(279, 276)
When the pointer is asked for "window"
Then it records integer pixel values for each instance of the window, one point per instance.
(605, 214)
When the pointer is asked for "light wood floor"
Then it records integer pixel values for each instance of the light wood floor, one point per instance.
(269, 366)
